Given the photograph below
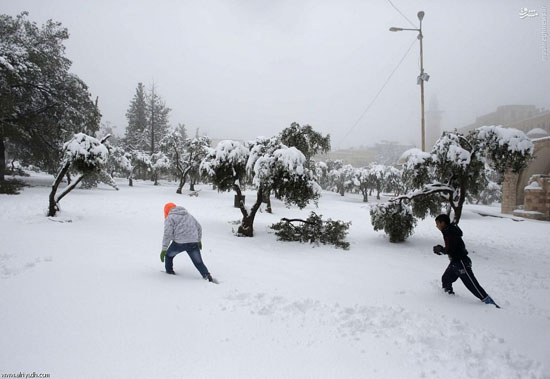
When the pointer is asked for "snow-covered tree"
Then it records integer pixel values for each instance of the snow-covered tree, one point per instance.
(84, 154)
(41, 103)
(157, 117)
(342, 179)
(196, 149)
(137, 160)
(492, 192)
(455, 168)
(137, 120)
(283, 173)
(377, 177)
(258, 148)
(362, 181)
(225, 165)
(147, 118)
(173, 145)
(118, 162)
(159, 164)
(393, 182)
(305, 139)
(322, 175)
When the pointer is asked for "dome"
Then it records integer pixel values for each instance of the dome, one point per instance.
(537, 133)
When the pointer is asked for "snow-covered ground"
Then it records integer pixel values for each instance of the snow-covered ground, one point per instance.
(84, 296)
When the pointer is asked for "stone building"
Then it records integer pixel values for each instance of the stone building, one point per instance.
(522, 117)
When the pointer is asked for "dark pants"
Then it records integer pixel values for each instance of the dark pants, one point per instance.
(462, 268)
(193, 251)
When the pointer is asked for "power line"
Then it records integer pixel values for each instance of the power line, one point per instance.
(401, 13)
(379, 91)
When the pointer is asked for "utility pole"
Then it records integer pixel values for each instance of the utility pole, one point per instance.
(421, 78)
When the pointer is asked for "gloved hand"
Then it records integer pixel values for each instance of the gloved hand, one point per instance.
(200, 245)
(162, 254)
(438, 249)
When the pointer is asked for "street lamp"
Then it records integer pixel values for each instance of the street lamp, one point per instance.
(423, 76)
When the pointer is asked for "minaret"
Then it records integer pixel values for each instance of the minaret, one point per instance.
(433, 123)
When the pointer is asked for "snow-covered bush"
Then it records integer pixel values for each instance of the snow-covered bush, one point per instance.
(313, 230)
(395, 219)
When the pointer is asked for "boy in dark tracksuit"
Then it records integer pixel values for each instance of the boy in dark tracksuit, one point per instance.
(460, 265)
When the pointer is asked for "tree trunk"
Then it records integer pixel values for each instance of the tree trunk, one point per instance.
(247, 227)
(267, 200)
(458, 208)
(247, 224)
(180, 186)
(2, 155)
(365, 196)
(53, 208)
(131, 177)
(342, 191)
(69, 188)
(192, 185)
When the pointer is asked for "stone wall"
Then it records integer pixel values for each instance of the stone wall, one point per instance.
(537, 199)
(509, 193)
(514, 193)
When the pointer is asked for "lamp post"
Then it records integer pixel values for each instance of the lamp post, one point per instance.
(422, 77)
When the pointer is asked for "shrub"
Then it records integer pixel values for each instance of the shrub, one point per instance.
(395, 219)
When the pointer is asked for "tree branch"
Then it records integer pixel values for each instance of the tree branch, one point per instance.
(428, 189)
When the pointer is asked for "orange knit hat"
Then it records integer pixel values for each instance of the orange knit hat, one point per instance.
(167, 208)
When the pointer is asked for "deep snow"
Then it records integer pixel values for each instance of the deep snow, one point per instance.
(84, 296)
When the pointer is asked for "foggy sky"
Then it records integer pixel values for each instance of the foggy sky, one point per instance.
(240, 69)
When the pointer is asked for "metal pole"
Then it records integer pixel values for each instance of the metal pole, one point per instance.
(420, 37)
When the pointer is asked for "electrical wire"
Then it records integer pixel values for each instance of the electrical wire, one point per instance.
(379, 91)
(401, 13)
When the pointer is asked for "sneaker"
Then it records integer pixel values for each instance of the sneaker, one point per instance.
(171, 272)
(489, 300)
(211, 279)
(449, 291)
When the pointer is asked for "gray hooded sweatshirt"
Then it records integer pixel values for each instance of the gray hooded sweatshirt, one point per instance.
(180, 227)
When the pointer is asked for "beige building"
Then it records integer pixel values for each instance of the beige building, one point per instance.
(356, 157)
(523, 117)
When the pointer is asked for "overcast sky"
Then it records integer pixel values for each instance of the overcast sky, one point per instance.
(244, 68)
